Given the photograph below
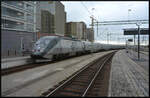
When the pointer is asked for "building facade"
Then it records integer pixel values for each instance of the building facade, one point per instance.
(76, 29)
(90, 34)
(71, 29)
(83, 30)
(18, 15)
(51, 14)
(18, 27)
(47, 22)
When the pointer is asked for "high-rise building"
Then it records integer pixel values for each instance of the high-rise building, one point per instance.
(76, 29)
(90, 34)
(18, 26)
(55, 18)
(83, 30)
(47, 22)
(18, 15)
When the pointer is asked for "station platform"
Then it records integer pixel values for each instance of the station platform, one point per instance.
(146, 53)
(14, 61)
(129, 76)
(35, 81)
(13, 58)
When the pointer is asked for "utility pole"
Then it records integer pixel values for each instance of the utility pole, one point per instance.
(97, 28)
(126, 45)
(92, 19)
(92, 24)
(128, 13)
(118, 39)
(107, 37)
(134, 42)
(138, 41)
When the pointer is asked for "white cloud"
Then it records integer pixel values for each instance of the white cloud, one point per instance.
(107, 11)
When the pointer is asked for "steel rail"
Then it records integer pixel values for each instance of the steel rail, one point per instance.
(67, 81)
(96, 75)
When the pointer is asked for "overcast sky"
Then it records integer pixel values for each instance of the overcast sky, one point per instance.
(107, 11)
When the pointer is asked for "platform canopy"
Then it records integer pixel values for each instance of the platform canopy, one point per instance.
(134, 31)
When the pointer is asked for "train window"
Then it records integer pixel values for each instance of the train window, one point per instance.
(43, 41)
(47, 41)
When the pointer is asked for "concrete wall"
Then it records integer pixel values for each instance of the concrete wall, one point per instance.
(11, 42)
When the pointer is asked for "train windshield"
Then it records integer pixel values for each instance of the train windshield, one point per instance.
(43, 42)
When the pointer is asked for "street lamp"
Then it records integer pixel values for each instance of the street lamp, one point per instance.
(138, 24)
(128, 13)
(107, 34)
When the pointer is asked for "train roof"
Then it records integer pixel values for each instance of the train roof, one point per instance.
(69, 38)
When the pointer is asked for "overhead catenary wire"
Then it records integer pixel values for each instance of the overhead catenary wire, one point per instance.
(88, 11)
(86, 8)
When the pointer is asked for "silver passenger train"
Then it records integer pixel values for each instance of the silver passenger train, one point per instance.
(54, 47)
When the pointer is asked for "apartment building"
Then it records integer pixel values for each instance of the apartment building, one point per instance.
(90, 34)
(50, 14)
(76, 29)
(18, 27)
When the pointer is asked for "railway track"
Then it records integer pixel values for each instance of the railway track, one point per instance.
(92, 80)
(29, 66)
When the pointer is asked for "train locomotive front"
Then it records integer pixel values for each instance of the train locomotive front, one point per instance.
(53, 47)
(42, 47)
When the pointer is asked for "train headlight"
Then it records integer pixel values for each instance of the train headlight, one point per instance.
(33, 50)
(38, 47)
(41, 49)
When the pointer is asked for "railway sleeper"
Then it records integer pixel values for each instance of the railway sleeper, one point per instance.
(74, 88)
(81, 84)
(80, 81)
(93, 95)
(78, 91)
(69, 94)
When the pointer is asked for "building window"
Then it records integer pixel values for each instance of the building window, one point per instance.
(32, 2)
(12, 24)
(30, 8)
(30, 18)
(19, 4)
(30, 27)
(12, 13)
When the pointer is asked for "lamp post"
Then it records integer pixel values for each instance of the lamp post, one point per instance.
(138, 24)
(107, 34)
(107, 37)
(128, 13)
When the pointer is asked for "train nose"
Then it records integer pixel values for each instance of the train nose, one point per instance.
(33, 50)
(36, 56)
